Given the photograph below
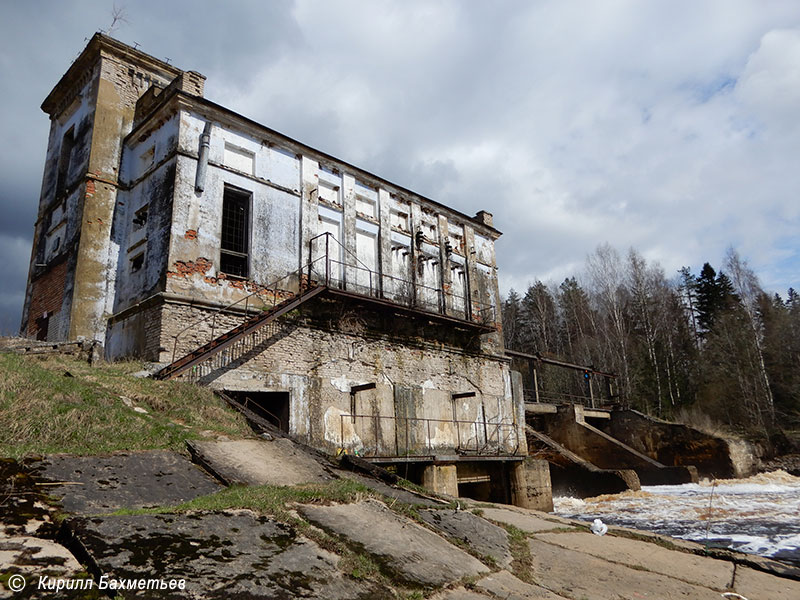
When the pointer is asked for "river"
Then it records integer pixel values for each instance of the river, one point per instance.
(757, 515)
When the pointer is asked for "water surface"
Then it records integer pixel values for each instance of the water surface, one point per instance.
(757, 515)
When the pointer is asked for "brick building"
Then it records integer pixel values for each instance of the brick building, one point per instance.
(370, 313)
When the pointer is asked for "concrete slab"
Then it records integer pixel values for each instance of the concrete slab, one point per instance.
(521, 519)
(260, 462)
(411, 552)
(23, 510)
(459, 593)
(756, 585)
(504, 585)
(579, 575)
(481, 536)
(701, 570)
(26, 554)
(235, 554)
(98, 484)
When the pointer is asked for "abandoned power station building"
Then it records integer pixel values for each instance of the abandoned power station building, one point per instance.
(353, 314)
(358, 316)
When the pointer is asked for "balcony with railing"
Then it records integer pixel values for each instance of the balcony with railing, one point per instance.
(340, 270)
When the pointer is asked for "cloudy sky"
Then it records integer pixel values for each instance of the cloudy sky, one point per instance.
(670, 126)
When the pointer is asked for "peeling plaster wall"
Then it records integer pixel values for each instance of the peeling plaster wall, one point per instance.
(58, 224)
(273, 183)
(414, 381)
(143, 216)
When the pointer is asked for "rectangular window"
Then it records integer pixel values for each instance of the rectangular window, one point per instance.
(64, 159)
(140, 218)
(234, 238)
(137, 262)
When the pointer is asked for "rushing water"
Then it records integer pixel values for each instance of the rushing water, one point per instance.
(758, 515)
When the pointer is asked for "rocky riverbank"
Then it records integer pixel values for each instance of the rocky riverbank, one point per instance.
(322, 533)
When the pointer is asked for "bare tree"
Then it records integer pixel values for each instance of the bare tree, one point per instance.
(747, 287)
(118, 17)
(605, 272)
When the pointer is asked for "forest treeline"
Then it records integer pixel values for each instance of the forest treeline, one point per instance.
(712, 344)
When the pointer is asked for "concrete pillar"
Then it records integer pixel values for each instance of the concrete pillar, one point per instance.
(538, 488)
(441, 479)
(309, 202)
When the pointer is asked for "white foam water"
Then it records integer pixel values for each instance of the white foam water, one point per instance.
(758, 515)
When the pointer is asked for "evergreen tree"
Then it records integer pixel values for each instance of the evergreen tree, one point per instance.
(511, 321)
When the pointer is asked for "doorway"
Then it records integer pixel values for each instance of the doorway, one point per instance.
(272, 406)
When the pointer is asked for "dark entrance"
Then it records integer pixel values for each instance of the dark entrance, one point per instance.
(272, 406)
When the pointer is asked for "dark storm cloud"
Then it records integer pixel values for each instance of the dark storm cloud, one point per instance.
(667, 125)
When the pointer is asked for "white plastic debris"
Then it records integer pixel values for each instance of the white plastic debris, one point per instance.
(598, 527)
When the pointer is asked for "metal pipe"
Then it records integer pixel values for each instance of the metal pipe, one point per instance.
(202, 158)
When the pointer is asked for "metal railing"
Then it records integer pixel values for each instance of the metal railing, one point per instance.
(412, 436)
(355, 276)
(558, 398)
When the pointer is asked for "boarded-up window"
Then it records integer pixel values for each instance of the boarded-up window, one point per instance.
(240, 159)
(367, 253)
(399, 219)
(327, 251)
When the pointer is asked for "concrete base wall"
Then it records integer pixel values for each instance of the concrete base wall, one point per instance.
(329, 348)
(569, 428)
(675, 444)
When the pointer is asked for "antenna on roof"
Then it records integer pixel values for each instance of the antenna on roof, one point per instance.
(135, 45)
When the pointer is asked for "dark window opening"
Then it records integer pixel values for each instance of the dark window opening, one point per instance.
(42, 327)
(235, 233)
(140, 218)
(270, 406)
(137, 262)
(64, 159)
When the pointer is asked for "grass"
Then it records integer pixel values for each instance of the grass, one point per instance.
(59, 404)
(272, 500)
(522, 562)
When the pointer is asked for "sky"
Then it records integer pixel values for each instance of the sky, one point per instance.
(669, 126)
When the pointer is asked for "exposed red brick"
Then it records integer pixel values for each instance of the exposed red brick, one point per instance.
(47, 295)
(186, 268)
(191, 234)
